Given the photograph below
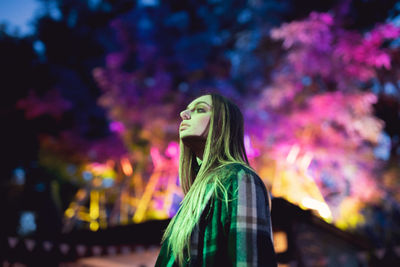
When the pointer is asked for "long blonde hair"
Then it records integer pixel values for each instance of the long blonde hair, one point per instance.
(224, 145)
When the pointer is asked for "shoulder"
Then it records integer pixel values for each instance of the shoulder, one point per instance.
(234, 168)
(237, 173)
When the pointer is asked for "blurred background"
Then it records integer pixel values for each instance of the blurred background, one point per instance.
(92, 91)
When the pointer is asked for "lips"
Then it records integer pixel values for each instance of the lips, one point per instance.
(183, 125)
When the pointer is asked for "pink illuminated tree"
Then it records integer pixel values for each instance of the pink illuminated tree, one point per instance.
(320, 102)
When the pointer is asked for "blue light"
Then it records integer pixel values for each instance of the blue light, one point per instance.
(93, 4)
(55, 13)
(40, 187)
(244, 16)
(263, 115)
(306, 81)
(19, 15)
(19, 176)
(376, 86)
(39, 47)
(27, 223)
(148, 2)
(87, 176)
(72, 18)
(108, 182)
(382, 150)
(71, 169)
(183, 87)
(390, 89)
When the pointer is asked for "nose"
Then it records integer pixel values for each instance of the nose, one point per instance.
(185, 115)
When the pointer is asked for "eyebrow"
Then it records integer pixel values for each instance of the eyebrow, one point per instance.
(195, 104)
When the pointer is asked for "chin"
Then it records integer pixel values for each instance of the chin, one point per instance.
(182, 135)
(185, 136)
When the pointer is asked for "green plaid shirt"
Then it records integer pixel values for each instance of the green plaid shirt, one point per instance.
(239, 234)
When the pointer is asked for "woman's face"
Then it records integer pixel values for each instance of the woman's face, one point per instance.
(196, 117)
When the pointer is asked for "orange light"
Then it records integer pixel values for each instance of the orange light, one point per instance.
(126, 166)
(280, 242)
(81, 194)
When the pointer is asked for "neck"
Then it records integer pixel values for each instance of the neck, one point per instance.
(197, 144)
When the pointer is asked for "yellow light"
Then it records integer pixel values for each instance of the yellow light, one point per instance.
(94, 205)
(350, 215)
(69, 213)
(146, 198)
(94, 226)
(83, 216)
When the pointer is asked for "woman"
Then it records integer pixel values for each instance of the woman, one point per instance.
(224, 218)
